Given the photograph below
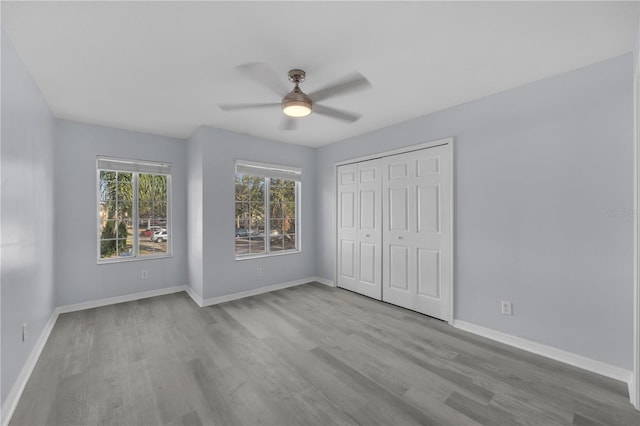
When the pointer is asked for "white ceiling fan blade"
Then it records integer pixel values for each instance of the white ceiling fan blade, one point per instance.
(336, 113)
(236, 107)
(349, 84)
(289, 123)
(266, 76)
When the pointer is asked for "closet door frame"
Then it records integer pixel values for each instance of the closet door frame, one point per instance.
(446, 141)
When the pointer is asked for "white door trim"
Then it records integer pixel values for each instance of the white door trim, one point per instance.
(438, 142)
(417, 147)
(634, 386)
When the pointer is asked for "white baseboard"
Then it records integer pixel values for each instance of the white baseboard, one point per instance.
(11, 402)
(119, 299)
(195, 296)
(241, 294)
(575, 360)
(324, 281)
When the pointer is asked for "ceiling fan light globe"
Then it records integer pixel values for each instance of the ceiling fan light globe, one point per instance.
(296, 104)
(296, 109)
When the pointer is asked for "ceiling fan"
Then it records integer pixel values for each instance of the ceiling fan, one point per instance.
(297, 104)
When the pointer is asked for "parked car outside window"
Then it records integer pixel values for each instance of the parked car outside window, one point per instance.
(151, 230)
(159, 236)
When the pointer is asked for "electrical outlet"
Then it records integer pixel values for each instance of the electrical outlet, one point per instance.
(25, 331)
(145, 274)
(507, 307)
(259, 271)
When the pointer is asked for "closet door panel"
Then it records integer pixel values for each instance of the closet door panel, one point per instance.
(370, 229)
(347, 227)
(359, 228)
(433, 230)
(417, 226)
(399, 227)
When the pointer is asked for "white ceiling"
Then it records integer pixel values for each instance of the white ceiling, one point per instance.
(163, 67)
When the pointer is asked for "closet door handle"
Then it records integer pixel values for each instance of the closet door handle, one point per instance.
(399, 237)
(367, 235)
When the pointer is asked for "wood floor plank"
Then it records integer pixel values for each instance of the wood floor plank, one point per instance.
(305, 355)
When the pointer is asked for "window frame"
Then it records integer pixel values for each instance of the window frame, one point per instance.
(136, 167)
(268, 172)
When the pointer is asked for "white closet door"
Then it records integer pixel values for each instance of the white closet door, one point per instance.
(347, 227)
(369, 277)
(360, 228)
(417, 229)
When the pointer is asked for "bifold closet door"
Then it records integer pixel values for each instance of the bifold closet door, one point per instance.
(416, 236)
(360, 228)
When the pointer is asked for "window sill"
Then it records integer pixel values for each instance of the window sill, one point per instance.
(262, 255)
(125, 259)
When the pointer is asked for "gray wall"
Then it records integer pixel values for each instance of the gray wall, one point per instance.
(222, 273)
(27, 290)
(538, 169)
(78, 277)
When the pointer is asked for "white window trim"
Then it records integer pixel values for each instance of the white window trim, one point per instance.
(269, 171)
(135, 167)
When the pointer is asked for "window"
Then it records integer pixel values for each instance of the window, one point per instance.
(133, 209)
(267, 218)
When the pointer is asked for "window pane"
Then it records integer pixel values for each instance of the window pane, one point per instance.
(289, 241)
(242, 224)
(276, 227)
(145, 245)
(125, 248)
(289, 226)
(243, 215)
(289, 211)
(160, 214)
(108, 229)
(107, 249)
(276, 242)
(107, 186)
(257, 243)
(152, 211)
(242, 187)
(249, 214)
(124, 210)
(256, 189)
(289, 190)
(122, 230)
(125, 177)
(160, 188)
(107, 210)
(145, 187)
(155, 243)
(282, 211)
(145, 212)
(125, 191)
(275, 182)
(257, 235)
(107, 175)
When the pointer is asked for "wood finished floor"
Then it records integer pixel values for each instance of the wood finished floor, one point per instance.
(307, 355)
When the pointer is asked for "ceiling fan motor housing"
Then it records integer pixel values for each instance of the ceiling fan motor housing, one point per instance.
(297, 75)
(296, 103)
